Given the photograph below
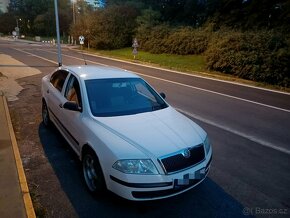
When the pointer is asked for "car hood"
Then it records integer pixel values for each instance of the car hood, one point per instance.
(156, 133)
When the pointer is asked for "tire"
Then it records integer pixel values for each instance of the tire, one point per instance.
(45, 115)
(93, 174)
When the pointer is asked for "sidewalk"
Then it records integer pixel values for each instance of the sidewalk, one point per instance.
(63, 45)
(15, 199)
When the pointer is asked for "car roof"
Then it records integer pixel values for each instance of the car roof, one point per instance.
(87, 72)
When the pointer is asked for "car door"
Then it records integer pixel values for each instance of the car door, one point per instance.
(54, 94)
(72, 120)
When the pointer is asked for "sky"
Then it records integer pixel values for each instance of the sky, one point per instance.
(92, 2)
(3, 5)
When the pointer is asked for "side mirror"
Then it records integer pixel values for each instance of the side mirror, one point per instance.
(163, 95)
(72, 106)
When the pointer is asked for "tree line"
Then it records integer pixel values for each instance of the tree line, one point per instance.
(35, 17)
(246, 38)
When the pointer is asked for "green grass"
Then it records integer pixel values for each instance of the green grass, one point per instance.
(194, 64)
(186, 63)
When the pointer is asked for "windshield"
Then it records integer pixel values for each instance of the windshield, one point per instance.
(124, 96)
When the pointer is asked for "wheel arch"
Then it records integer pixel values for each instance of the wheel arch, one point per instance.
(86, 148)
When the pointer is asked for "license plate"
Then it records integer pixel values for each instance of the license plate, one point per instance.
(200, 174)
(190, 178)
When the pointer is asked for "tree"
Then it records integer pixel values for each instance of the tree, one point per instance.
(41, 14)
(145, 23)
(15, 6)
(113, 27)
(82, 27)
(7, 23)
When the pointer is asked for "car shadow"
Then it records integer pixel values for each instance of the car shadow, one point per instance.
(206, 200)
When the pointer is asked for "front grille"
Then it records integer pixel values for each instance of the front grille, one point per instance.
(178, 162)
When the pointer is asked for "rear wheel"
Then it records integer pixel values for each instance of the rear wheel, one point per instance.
(93, 174)
(45, 115)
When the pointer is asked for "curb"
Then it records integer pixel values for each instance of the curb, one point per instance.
(203, 75)
(30, 213)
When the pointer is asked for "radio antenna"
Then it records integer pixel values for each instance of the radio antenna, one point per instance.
(84, 56)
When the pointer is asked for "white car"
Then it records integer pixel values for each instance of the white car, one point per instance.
(129, 139)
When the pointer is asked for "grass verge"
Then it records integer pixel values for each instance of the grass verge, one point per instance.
(194, 64)
(177, 62)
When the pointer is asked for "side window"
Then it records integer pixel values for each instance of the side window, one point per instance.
(73, 92)
(57, 79)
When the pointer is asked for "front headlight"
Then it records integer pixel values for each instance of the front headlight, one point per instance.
(207, 144)
(145, 166)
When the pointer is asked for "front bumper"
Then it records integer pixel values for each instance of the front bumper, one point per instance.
(133, 187)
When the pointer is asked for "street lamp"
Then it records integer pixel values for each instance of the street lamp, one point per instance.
(17, 26)
(57, 34)
(73, 8)
(17, 21)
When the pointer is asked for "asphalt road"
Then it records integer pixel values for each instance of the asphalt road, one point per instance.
(249, 129)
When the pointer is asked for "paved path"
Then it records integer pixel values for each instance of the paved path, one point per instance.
(12, 198)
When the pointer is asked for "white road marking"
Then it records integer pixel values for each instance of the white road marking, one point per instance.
(54, 62)
(236, 132)
(187, 74)
(217, 93)
(189, 86)
(81, 59)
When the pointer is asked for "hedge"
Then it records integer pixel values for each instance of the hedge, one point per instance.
(262, 56)
(182, 41)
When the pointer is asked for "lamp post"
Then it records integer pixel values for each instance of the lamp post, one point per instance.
(74, 17)
(74, 13)
(57, 34)
(17, 26)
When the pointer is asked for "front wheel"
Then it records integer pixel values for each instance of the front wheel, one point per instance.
(93, 174)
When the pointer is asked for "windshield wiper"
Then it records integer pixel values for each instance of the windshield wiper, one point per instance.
(156, 107)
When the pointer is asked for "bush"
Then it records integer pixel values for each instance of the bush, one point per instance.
(187, 40)
(113, 28)
(258, 55)
(7, 23)
(155, 41)
(165, 39)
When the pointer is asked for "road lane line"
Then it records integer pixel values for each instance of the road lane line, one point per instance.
(217, 93)
(81, 59)
(54, 62)
(236, 132)
(188, 86)
(183, 73)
